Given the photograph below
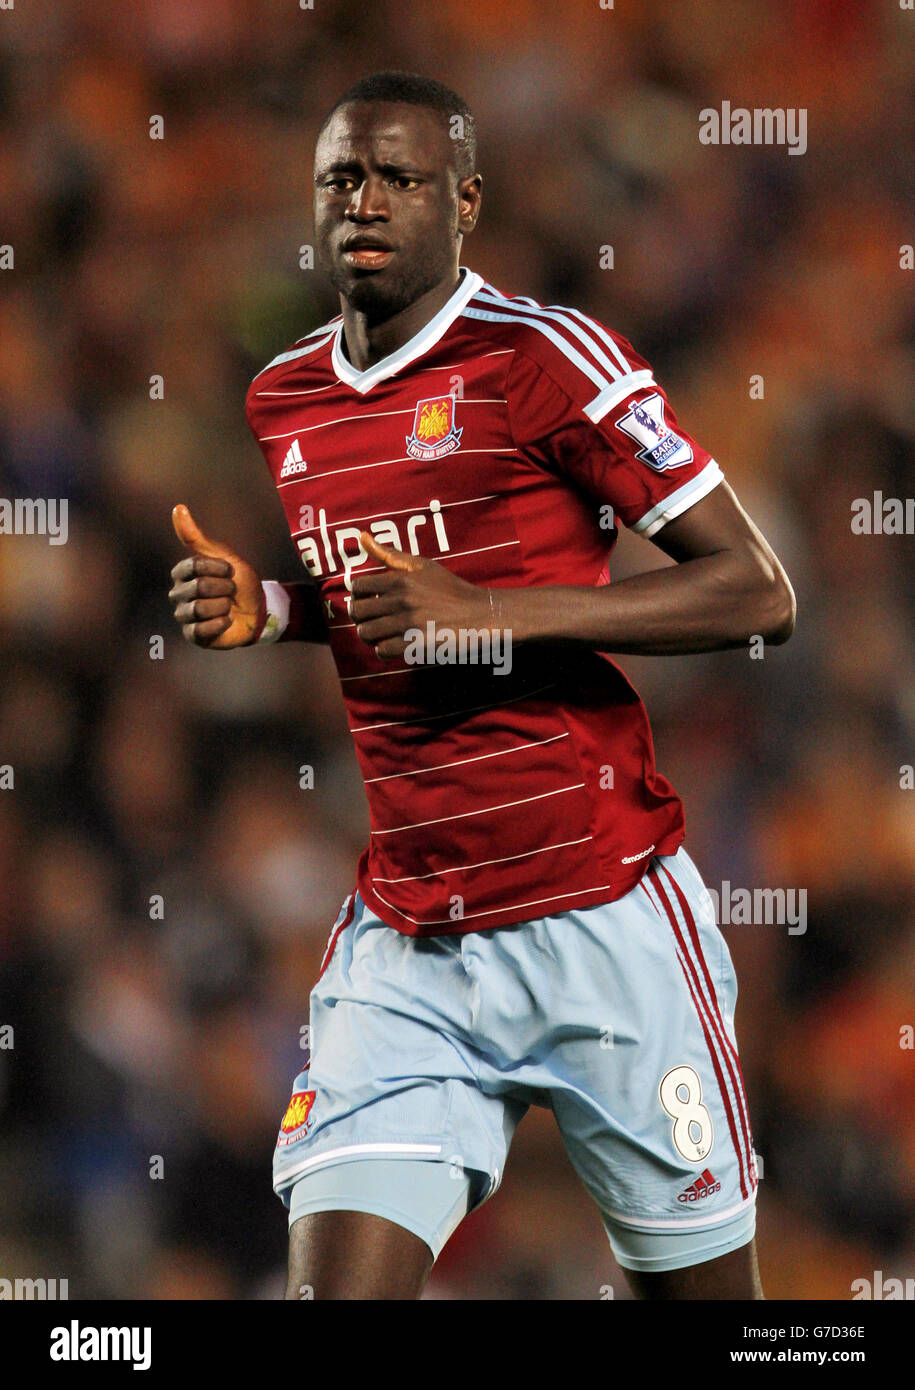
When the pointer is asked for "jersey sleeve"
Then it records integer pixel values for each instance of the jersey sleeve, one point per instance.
(584, 403)
(290, 611)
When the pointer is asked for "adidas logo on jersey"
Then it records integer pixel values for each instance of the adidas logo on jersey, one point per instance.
(293, 462)
(704, 1186)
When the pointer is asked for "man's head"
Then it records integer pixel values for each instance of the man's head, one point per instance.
(396, 189)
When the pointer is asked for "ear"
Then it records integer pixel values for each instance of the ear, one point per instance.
(470, 197)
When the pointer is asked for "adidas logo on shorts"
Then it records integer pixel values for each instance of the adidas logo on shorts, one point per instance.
(293, 462)
(704, 1186)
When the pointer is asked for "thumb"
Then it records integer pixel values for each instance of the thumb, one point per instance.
(387, 555)
(190, 534)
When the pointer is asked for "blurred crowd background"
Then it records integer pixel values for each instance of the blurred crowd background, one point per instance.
(179, 1035)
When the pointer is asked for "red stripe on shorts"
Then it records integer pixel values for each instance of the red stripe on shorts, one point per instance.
(695, 990)
(731, 1050)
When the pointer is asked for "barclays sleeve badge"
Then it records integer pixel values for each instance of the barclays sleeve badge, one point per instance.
(661, 447)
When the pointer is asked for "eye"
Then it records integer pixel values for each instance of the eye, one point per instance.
(405, 183)
(339, 185)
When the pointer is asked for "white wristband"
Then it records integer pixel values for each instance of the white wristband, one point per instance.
(277, 611)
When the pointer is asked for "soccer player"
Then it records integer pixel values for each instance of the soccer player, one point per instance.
(526, 926)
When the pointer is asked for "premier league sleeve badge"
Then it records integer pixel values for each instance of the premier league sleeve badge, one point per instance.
(661, 447)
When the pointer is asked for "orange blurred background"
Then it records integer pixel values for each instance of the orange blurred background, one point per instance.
(134, 777)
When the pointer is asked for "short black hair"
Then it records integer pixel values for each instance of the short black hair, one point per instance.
(415, 90)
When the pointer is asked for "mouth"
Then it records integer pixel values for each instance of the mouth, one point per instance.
(367, 253)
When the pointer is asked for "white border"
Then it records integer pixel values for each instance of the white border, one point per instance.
(421, 342)
(331, 1155)
(680, 501)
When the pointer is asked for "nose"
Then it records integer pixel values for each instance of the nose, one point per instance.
(369, 202)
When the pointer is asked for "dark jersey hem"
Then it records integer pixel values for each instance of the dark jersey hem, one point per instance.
(517, 916)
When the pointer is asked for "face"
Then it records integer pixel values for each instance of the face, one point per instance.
(390, 209)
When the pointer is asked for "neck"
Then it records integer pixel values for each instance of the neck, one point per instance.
(368, 342)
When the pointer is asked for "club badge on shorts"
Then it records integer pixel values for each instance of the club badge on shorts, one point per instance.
(662, 447)
(434, 435)
(298, 1119)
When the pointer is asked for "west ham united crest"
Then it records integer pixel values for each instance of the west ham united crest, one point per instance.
(298, 1119)
(434, 434)
(662, 447)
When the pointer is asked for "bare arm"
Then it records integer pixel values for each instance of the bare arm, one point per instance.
(726, 587)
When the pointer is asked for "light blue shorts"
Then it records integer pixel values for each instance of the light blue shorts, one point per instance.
(426, 1053)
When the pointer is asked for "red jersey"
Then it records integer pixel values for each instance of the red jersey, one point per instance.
(503, 441)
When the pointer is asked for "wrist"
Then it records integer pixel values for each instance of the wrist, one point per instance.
(273, 614)
(529, 615)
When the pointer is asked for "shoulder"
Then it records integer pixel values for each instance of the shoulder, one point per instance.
(588, 361)
(308, 346)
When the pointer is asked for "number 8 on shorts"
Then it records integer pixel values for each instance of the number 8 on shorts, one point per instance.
(681, 1095)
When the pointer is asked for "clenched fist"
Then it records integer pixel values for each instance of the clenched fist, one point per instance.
(217, 596)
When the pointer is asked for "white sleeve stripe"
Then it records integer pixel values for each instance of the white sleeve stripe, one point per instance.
(296, 352)
(277, 611)
(602, 333)
(680, 501)
(325, 328)
(604, 403)
(565, 318)
(591, 324)
(583, 365)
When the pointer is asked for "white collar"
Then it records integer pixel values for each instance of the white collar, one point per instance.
(421, 342)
